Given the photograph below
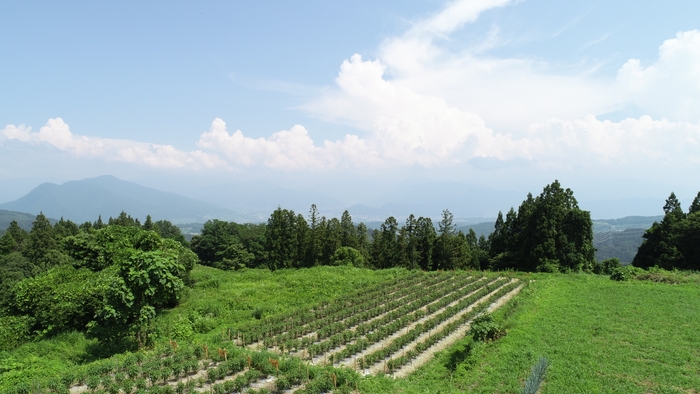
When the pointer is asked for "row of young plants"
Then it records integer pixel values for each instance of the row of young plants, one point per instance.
(399, 343)
(382, 306)
(383, 332)
(375, 331)
(420, 347)
(302, 317)
(344, 318)
(174, 369)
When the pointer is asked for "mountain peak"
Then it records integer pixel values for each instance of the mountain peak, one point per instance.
(106, 195)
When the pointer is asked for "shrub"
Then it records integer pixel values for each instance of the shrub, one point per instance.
(484, 328)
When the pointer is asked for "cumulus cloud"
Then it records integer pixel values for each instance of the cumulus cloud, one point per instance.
(406, 127)
(57, 134)
(422, 102)
(630, 143)
(291, 149)
(670, 87)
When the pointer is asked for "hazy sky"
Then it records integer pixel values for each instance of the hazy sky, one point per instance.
(350, 97)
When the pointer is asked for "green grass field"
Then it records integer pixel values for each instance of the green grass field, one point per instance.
(600, 336)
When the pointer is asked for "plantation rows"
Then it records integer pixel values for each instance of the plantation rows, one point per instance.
(304, 321)
(364, 322)
(376, 330)
(385, 323)
(395, 347)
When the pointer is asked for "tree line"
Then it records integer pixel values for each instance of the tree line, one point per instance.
(547, 233)
(674, 243)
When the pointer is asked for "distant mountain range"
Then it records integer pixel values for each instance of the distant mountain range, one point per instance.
(107, 196)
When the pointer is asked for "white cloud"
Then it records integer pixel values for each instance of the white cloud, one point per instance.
(290, 149)
(425, 103)
(56, 133)
(621, 146)
(670, 87)
(406, 127)
(453, 16)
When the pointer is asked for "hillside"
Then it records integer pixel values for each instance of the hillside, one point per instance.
(24, 220)
(86, 199)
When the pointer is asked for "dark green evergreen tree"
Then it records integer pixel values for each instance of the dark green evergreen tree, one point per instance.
(282, 236)
(348, 231)
(548, 233)
(148, 224)
(99, 223)
(40, 241)
(674, 243)
(426, 235)
(695, 205)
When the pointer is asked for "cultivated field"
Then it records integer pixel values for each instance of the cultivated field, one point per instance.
(399, 332)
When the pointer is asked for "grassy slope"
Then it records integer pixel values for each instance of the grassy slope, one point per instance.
(219, 299)
(600, 336)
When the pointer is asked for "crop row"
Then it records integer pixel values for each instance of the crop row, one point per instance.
(432, 323)
(304, 316)
(378, 329)
(380, 306)
(420, 347)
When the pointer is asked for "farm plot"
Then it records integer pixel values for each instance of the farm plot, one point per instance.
(387, 328)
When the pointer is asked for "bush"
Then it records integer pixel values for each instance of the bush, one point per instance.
(14, 331)
(626, 273)
(484, 328)
(609, 265)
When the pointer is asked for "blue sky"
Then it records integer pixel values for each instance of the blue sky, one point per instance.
(604, 96)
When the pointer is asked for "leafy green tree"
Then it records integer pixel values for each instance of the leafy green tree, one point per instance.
(362, 240)
(451, 249)
(314, 244)
(346, 255)
(410, 242)
(673, 206)
(331, 239)
(86, 227)
(14, 267)
(145, 282)
(99, 223)
(168, 230)
(19, 235)
(61, 298)
(234, 257)
(218, 240)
